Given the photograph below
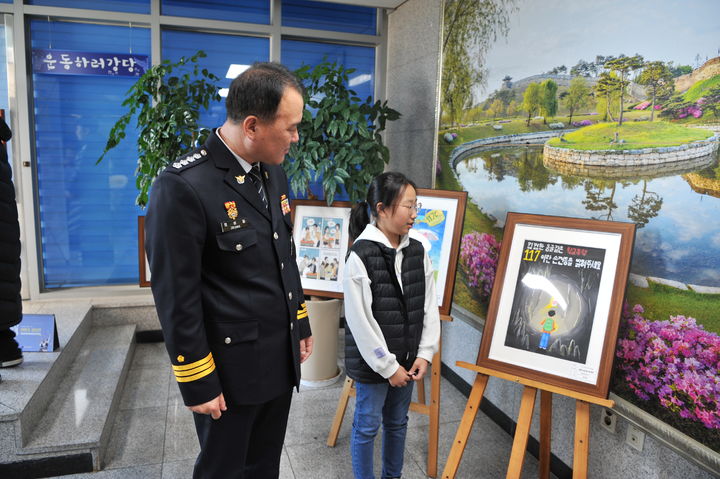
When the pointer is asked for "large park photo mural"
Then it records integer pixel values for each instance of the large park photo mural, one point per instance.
(607, 110)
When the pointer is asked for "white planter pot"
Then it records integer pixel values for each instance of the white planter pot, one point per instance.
(321, 367)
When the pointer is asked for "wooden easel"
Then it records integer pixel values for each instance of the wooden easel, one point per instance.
(432, 410)
(582, 423)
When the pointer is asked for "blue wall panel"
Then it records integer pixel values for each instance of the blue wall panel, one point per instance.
(88, 217)
(222, 51)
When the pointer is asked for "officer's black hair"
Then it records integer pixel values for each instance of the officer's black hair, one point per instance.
(384, 188)
(258, 90)
(551, 313)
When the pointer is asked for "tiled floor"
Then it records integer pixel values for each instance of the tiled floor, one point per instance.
(154, 437)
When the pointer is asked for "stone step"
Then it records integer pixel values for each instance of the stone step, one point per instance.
(80, 416)
(26, 390)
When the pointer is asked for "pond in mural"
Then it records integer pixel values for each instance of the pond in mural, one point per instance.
(678, 236)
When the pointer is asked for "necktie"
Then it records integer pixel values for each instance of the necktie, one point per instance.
(257, 179)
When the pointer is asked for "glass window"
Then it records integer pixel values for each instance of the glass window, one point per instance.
(132, 6)
(329, 16)
(4, 100)
(296, 53)
(3, 73)
(227, 56)
(250, 11)
(88, 217)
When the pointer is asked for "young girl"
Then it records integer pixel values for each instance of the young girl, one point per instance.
(393, 324)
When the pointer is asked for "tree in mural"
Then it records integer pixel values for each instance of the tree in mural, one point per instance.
(548, 100)
(512, 108)
(471, 27)
(457, 93)
(577, 96)
(497, 108)
(645, 206)
(623, 66)
(531, 100)
(597, 200)
(657, 77)
(606, 89)
(712, 101)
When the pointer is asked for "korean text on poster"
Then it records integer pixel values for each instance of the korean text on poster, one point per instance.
(71, 62)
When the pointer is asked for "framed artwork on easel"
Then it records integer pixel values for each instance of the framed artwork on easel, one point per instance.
(321, 235)
(556, 302)
(439, 221)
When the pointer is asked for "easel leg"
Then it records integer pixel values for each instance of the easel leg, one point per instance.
(434, 432)
(522, 433)
(545, 433)
(465, 428)
(420, 386)
(582, 439)
(340, 412)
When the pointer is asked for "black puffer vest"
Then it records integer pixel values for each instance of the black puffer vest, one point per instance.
(399, 312)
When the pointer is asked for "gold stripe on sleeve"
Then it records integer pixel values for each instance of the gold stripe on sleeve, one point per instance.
(192, 372)
(186, 367)
(197, 376)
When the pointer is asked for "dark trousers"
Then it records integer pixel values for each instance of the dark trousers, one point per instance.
(245, 443)
(8, 346)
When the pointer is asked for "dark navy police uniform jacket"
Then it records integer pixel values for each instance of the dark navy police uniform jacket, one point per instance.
(224, 277)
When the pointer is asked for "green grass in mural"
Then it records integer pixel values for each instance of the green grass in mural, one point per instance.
(660, 302)
(699, 89)
(636, 135)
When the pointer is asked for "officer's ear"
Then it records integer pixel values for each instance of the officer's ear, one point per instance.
(249, 126)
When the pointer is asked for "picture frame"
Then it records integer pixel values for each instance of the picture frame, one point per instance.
(143, 264)
(322, 236)
(442, 231)
(557, 299)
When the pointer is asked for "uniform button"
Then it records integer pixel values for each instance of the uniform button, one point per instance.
(282, 265)
(275, 235)
(228, 340)
(290, 296)
(291, 326)
(238, 247)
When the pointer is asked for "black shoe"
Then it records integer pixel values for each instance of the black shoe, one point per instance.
(11, 360)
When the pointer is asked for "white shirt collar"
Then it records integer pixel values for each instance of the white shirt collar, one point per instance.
(243, 163)
(373, 233)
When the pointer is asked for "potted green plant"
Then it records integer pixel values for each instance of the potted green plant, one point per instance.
(340, 135)
(167, 100)
(340, 142)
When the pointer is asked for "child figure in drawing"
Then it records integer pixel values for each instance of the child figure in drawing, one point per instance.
(548, 326)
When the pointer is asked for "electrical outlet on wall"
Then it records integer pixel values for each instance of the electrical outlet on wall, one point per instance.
(608, 420)
(635, 437)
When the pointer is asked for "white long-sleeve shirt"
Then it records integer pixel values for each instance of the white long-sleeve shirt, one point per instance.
(358, 307)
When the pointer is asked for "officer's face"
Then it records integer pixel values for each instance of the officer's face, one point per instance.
(273, 138)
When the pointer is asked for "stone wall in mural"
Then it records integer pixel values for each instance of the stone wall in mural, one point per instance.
(606, 110)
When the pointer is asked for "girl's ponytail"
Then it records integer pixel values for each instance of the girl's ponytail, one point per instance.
(359, 219)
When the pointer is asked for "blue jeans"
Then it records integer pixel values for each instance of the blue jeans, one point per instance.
(375, 403)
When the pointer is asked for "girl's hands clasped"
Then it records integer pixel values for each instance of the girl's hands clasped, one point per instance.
(418, 369)
(400, 378)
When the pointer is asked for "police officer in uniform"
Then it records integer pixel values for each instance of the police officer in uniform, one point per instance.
(225, 279)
